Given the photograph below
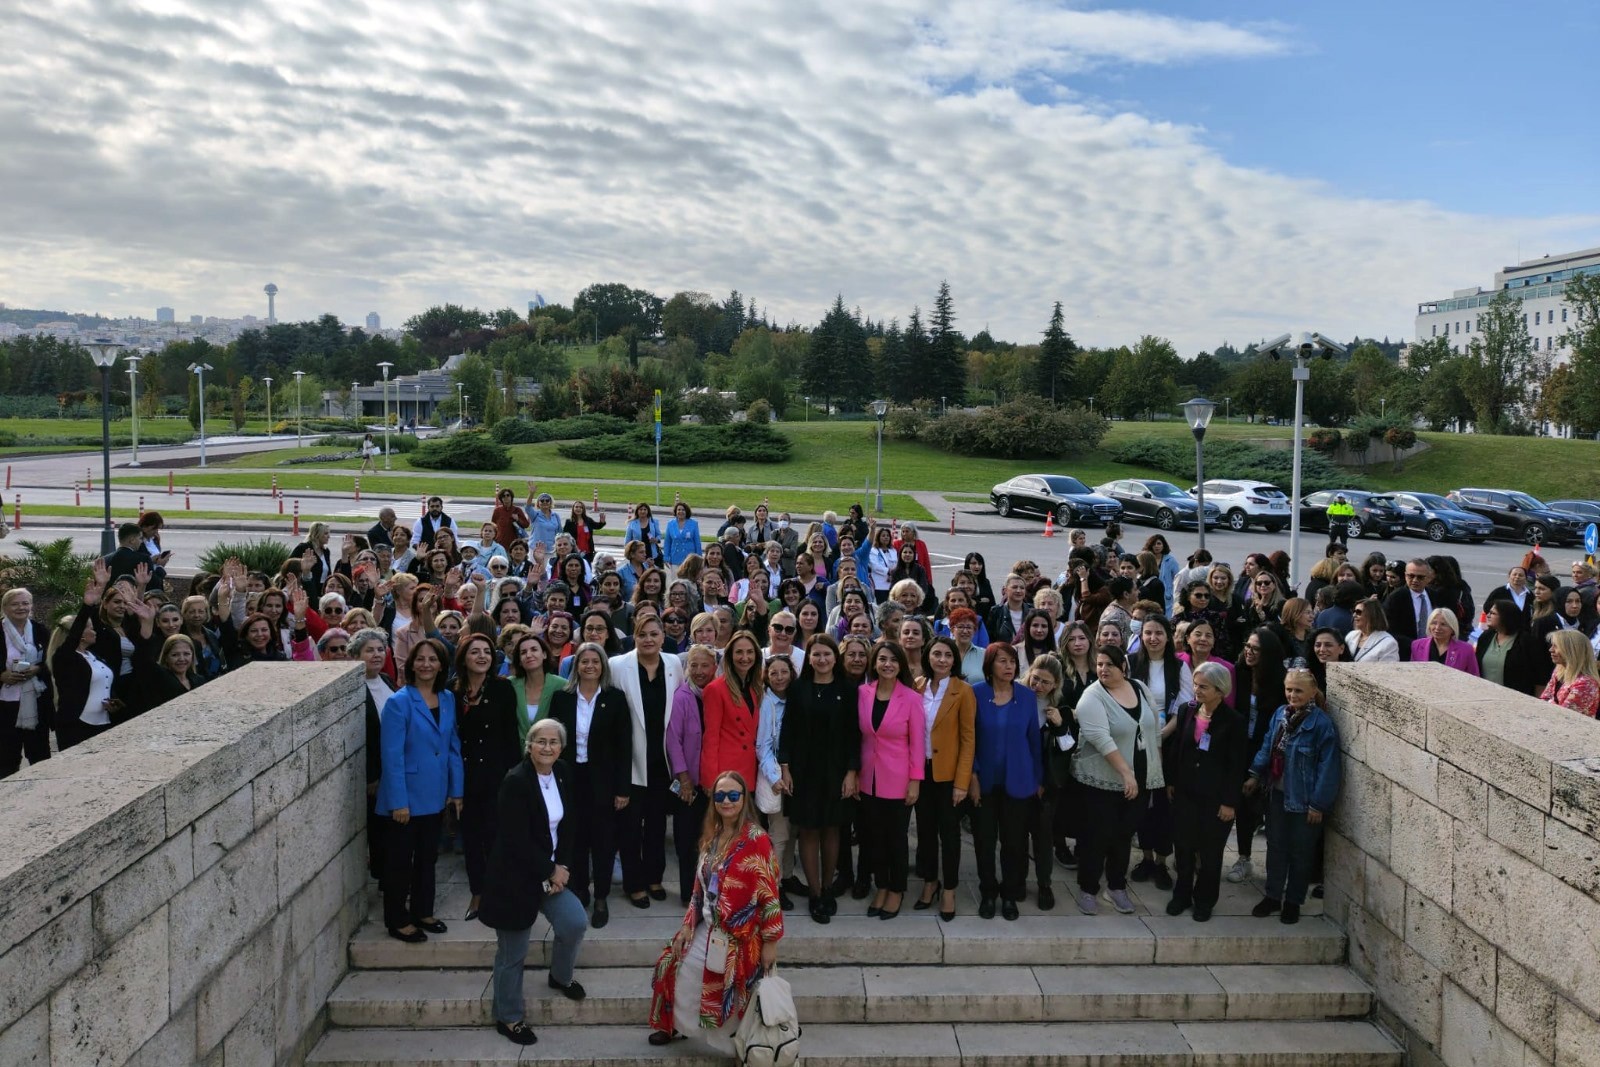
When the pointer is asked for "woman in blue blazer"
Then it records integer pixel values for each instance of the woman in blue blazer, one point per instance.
(1007, 775)
(422, 771)
(681, 538)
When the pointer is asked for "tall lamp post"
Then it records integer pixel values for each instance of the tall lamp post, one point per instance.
(880, 408)
(1301, 352)
(355, 401)
(299, 415)
(133, 402)
(385, 367)
(199, 370)
(461, 406)
(104, 352)
(1199, 411)
(268, 380)
(416, 407)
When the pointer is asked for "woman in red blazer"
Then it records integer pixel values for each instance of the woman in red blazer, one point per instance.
(1444, 645)
(732, 710)
(893, 749)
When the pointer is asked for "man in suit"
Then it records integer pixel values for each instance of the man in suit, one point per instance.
(126, 559)
(382, 533)
(1408, 609)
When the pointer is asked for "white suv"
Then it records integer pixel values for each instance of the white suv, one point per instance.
(1243, 503)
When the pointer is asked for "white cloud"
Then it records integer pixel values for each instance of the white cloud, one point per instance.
(381, 154)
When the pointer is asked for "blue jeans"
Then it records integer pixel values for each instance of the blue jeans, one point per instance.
(567, 918)
(1292, 846)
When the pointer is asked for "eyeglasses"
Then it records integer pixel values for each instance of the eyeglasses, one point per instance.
(1413, 574)
(1198, 595)
(332, 610)
(337, 650)
(673, 620)
(780, 628)
(1358, 611)
(728, 796)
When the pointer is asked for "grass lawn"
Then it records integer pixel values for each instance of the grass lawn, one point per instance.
(151, 431)
(31, 512)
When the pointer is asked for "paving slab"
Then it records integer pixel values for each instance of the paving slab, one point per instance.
(423, 999)
(949, 994)
(1103, 994)
(1277, 991)
(1070, 1044)
(1244, 939)
(1290, 1044)
(1048, 940)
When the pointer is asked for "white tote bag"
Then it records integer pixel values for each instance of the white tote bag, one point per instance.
(769, 1033)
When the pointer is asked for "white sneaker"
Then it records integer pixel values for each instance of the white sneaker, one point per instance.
(1240, 871)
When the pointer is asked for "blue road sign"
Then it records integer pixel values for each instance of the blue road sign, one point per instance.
(1591, 538)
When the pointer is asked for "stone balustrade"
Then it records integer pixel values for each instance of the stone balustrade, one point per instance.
(181, 889)
(1463, 862)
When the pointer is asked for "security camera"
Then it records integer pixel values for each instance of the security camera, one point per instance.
(1273, 347)
(1329, 347)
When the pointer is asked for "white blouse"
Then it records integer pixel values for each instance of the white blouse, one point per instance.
(932, 697)
(553, 807)
(585, 720)
(100, 679)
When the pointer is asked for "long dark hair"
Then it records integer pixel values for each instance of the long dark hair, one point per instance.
(904, 676)
(1264, 681)
(460, 686)
(1031, 649)
(1171, 665)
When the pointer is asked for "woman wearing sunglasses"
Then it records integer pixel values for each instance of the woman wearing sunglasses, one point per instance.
(729, 937)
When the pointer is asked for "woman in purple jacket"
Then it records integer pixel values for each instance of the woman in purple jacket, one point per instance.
(684, 729)
(1444, 645)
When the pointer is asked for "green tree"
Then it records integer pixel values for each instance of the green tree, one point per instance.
(440, 328)
(947, 356)
(837, 357)
(1583, 402)
(1054, 366)
(691, 315)
(1503, 368)
(476, 379)
(616, 306)
(897, 369)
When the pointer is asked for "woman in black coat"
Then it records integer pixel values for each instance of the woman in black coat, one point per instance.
(27, 697)
(486, 720)
(1205, 767)
(528, 870)
(1258, 682)
(1523, 662)
(599, 751)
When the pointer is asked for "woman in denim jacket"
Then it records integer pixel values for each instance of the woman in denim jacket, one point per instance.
(1298, 764)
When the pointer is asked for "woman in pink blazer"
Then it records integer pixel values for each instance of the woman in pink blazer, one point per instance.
(893, 750)
(1444, 645)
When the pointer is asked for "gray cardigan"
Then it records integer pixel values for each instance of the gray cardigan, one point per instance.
(1104, 727)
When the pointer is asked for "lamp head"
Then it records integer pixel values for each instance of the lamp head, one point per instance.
(1199, 411)
(880, 408)
(103, 351)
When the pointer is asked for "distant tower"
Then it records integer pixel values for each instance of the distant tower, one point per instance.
(166, 315)
(373, 321)
(272, 303)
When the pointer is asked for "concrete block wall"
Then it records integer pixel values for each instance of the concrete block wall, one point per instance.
(1463, 862)
(180, 890)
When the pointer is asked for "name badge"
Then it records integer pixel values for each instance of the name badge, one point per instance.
(1205, 742)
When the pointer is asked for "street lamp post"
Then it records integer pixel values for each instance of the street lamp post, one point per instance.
(461, 406)
(355, 401)
(1199, 411)
(104, 352)
(199, 371)
(133, 402)
(385, 367)
(1228, 409)
(1301, 352)
(416, 407)
(1383, 407)
(1091, 405)
(299, 415)
(808, 408)
(268, 381)
(880, 408)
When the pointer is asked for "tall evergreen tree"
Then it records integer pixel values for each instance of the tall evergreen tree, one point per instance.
(947, 377)
(836, 365)
(898, 374)
(918, 355)
(1053, 371)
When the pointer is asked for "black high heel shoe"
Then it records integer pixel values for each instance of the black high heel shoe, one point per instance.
(924, 905)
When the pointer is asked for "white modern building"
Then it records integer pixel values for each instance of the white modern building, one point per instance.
(1540, 283)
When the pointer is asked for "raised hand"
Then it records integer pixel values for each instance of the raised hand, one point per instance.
(141, 576)
(302, 603)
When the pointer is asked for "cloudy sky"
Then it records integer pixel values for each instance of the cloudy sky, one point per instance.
(1201, 170)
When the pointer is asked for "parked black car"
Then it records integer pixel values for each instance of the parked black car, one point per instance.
(1072, 502)
(1154, 501)
(1520, 517)
(1440, 519)
(1589, 509)
(1375, 513)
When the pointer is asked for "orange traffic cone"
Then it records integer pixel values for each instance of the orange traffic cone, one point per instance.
(1050, 524)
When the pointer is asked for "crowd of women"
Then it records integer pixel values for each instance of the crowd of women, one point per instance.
(788, 701)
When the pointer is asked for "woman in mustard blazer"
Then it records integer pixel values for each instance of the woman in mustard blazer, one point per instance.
(949, 716)
(893, 750)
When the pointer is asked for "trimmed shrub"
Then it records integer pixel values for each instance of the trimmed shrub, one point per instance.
(472, 450)
(758, 411)
(709, 408)
(743, 442)
(903, 424)
(1325, 441)
(1235, 459)
(1027, 428)
(1400, 438)
(399, 443)
(521, 431)
(263, 555)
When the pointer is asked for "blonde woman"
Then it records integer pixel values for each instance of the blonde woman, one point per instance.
(1574, 683)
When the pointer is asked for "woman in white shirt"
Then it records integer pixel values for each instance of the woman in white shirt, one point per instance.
(84, 705)
(1370, 641)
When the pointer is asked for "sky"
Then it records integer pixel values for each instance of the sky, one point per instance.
(1202, 171)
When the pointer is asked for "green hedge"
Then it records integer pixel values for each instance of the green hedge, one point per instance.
(264, 554)
(744, 442)
(473, 450)
(1019, 429)
(528, 432)
(399, 443)
(1236, 459)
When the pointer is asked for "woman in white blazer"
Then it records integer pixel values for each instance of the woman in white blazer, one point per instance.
(1371, 641)
(650, 681)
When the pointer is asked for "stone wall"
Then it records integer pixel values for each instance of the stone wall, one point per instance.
(1463, 862)
(180, 890)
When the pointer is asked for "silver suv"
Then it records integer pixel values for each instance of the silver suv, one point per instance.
(1245, 503)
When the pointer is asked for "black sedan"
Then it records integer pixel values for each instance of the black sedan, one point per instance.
(1161, 503)
(1439, 519)
(1069, 500)
(1375, 513)
(1589, 509)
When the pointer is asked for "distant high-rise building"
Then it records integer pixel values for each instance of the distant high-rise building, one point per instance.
(196, 320)
(166, 315)
(272, 303)
(373, 321)
(1540, 284)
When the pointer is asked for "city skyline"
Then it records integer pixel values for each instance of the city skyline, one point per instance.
(1208, 174)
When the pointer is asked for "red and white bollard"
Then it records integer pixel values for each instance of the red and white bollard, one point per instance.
(424, 508)
(358, 489)
(597, 498)
(952, 522)
(88, 479)
(141, 504)
(280, 505)
(296, 530)
(77, 495)
(169, 483)
(16, 516)
(274, 485)
(896, 533)
(8, 476)
(188, 505)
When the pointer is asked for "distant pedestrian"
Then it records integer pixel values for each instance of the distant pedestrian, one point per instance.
(369, 452)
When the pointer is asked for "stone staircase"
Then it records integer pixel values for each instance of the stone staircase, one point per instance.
(1049, 988)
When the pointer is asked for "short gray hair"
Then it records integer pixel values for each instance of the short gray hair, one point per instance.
(540, 724)
(361, 638)
(1216, 676)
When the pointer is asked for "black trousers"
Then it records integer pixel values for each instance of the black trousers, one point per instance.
(407, 884)
(1198, 838)
(15, 743)
(883, 823)
(1248, 817)
(377, 839)
(1003, 820)
(594, 837)
(642, 834)
(1155, 828)
(1041, 834)
(687, 820)
(480, 812)
(1109, 822)
(938, 832)
(74, 731)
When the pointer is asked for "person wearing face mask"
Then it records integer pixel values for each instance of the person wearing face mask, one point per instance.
(784, 533)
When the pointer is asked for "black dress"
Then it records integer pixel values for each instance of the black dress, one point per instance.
(489, 749)
(820, 742)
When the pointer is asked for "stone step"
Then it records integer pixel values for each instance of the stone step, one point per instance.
(913, 938)
(621, 996)
(928, 1044)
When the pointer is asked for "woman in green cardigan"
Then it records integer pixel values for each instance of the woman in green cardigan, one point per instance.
(533, 684)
